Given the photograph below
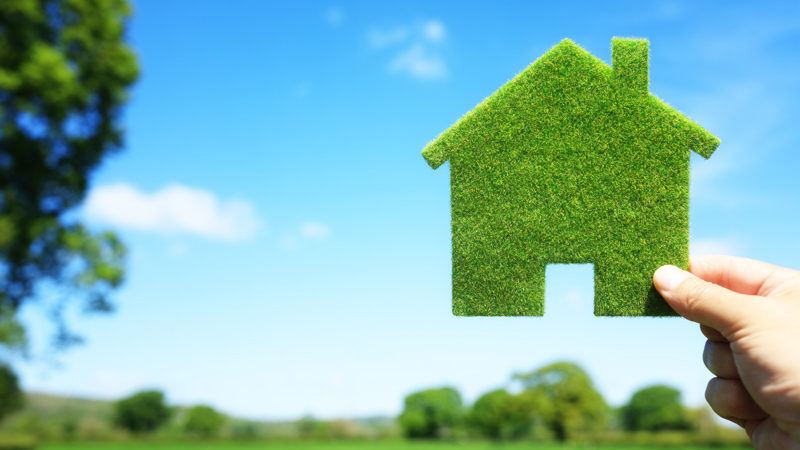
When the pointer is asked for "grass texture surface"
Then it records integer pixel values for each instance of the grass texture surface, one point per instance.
(572, 161)
(345, 445)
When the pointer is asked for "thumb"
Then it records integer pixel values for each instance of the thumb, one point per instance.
(704, 302)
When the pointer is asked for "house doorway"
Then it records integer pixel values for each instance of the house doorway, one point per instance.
(569, 291)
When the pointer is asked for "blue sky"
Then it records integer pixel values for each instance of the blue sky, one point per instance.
(290, 249)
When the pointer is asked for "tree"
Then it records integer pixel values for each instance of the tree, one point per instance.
(64, 74)
(500, 415)
(10, 393)
(488, 414)
(142, 412)
(203, 421)
(431, 413)
(655, 408)
(573, 406)
(309, 427)
(244, 431)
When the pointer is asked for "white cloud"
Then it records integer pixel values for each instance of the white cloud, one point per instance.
(419, 63)
(314, 230)
(416, 48)
(433, 30)
(716, 246)
(174, 209)
(306, 231)
(334, 16)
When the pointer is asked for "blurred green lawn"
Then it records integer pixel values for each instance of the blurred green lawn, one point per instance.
(395, 445)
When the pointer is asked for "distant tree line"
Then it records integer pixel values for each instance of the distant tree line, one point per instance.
(148, 415)
(144, 413)
(556, 402)
(147, 411)
(559, 402)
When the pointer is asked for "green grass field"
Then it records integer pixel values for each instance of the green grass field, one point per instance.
(399, 445)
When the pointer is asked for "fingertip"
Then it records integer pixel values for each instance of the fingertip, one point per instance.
(667, 278)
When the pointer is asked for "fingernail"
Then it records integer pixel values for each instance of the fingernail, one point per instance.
(668, 278)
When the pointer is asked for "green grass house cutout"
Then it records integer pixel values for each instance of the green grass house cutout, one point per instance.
(570, 162)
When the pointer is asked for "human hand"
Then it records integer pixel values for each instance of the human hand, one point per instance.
(750, 313)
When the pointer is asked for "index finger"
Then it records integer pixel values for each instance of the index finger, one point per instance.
(743, 275)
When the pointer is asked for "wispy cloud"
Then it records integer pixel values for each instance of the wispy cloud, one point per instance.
(745, 33)
(174, 209)
(420, 63)
(417, 48)
(334, 16)
(716, 246)
(434, 31)
(306, 231)
(314, 230)
(745, 105)
(723, 111)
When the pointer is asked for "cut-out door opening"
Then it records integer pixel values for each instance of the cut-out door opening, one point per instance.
(569, 291)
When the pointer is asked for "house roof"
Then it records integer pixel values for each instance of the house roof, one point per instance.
(563, 70)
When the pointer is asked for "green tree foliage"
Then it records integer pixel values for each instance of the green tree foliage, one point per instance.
(244, 431)
(655, 408)
(571, 406)
(500, 415)
(309, 427)
(10, 392)
(431, 413)
(142, 412)
(64, 74)
(489, 416)
(203, 421)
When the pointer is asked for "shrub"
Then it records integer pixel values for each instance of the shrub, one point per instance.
(17, 443)
(203, 421)
(10, 393)
(431, 413)
(142, 412)
(655, 408)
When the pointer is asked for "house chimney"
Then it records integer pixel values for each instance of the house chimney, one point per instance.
(629, 62)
